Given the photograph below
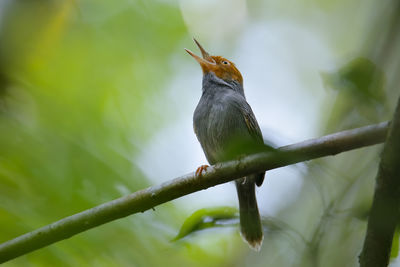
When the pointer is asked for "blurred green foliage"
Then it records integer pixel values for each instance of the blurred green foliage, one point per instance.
(76, 82)
(360, 99)
(76, 77)
(395, 245)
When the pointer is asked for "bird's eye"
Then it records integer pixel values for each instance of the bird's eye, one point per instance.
(225, 62)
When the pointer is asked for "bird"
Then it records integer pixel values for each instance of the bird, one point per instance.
(227, 129)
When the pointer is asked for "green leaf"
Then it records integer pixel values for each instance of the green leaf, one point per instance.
(208, 218)
(360, 77)
(395, 243)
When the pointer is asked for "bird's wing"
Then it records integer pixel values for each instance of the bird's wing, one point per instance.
(252, 124)
(249, 118)
(253, 129)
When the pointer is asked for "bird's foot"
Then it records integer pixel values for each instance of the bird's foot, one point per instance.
(200, 170)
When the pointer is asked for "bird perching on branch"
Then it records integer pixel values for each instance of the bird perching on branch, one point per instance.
(227, 129)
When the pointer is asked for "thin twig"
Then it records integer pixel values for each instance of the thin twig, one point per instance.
(150, 197)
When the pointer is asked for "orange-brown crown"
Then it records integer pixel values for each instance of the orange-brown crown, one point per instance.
(223, 68)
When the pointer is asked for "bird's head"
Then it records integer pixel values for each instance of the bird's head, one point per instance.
(221, 67)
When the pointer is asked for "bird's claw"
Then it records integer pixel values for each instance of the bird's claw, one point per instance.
(200, 170)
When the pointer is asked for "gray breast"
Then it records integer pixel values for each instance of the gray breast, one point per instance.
(218, 122)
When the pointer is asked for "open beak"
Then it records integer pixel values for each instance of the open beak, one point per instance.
(207, 62)
(204, 53)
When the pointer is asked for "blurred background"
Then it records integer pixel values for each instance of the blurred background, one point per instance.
(96, 102)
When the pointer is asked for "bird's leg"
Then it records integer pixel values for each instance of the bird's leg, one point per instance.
(239, 158)
(200, 169)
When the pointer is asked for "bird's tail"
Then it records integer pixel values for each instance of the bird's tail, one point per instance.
(250, 222)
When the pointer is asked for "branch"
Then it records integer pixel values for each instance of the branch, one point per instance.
(385, 208)
(150, 197)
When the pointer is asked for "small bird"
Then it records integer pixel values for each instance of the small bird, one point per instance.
(226, 128)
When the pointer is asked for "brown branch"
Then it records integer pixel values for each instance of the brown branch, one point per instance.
(150, 197)
(385, 208)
